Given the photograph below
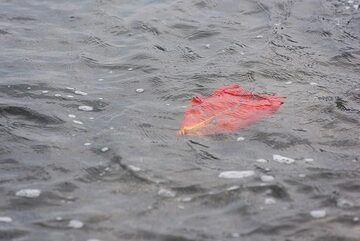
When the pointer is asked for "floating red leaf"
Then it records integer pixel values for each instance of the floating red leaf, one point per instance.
(227, 109)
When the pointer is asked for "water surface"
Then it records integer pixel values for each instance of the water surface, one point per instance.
(119, 172)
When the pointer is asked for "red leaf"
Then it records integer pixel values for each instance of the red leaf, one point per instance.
(228, 109)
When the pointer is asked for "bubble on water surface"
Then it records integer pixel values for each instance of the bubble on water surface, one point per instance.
(308, 159)
(79, 92)
(344, 203)
(232, 188)
(5, 220)
(104, 149)
(75, 224)
(267, 178)
(236, 174)
(86, 108)
(260, 160)
(166, 193)
(283, 159)
(269, 201)
(320, 213)
(29, 193)
(134, 168)
(78, 122)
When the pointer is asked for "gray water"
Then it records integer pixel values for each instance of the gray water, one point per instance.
(135, 179)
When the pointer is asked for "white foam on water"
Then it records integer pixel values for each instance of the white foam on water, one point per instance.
(283, 159)
(344, 203)
(134, 168)
(5, 220)
(78, 122)
(308, 160)
(140, 90)
(79, 92)
(240, 138)
(166, 193)
(261, 160)
(86, 108)
(29, 193)
(232, 188)
(45, 91)
(267, 178)
(236, 174)
(105, 149)
(75, 224)
(71, 116)
(320, 213)
(87, 144)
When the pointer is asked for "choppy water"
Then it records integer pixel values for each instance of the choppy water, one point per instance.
(119, 172)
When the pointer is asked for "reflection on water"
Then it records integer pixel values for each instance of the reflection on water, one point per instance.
(92, 93)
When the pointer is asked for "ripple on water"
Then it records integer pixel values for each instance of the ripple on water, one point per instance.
(79, 77)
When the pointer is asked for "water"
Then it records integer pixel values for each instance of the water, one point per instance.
(117, 171)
